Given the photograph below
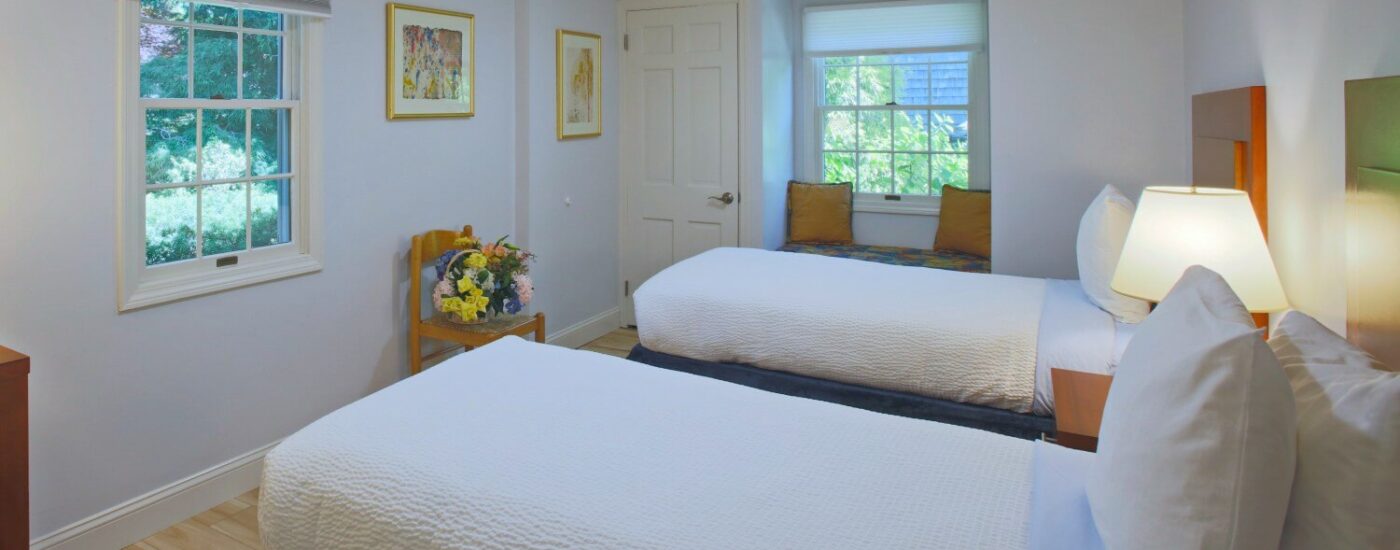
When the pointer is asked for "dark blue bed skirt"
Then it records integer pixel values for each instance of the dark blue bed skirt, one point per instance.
(1024, 426)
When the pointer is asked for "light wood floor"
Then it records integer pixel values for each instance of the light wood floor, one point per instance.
(233, 525)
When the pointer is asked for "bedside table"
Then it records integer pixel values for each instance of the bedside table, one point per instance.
(1079, 401)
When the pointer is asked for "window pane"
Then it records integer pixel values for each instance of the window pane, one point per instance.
(272, 136)
(262, 66)
(875, 176)
(164, 61)
(839, 131)
(875, 131)
(170, 145)
(224, 216)
(169, 10)
(224, 150)
(949, 131)
(949, 170)
(266, 20)
(215, 15)
(215, 64)
(875, 85)
(839, 168)
(911, 84)
(910, 130)
(840, 86)
(170, 216)
(911, 174)
(948, 82)
(272, 219)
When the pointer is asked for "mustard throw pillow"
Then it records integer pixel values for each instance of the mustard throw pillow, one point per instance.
(819, 213)
(965, 222)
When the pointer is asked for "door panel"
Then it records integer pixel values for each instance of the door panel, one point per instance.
(680, 138)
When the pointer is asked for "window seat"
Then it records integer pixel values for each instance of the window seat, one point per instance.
(895, 255)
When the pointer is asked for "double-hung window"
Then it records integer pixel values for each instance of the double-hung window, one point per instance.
(898, 95)
(219, 185)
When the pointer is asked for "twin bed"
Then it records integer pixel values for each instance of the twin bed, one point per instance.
(523, 445)
(966, 348)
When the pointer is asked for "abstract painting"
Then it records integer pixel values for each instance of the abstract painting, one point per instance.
(430, 63)
(579, 81)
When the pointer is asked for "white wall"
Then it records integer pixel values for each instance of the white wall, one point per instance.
(778, 26)
(1303, 51)
(1084, 93)
(125, 404)
(907, 230)
(573, 185)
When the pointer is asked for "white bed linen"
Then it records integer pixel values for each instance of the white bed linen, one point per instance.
(523, 445)
(966, 337)
(1075, 335)
(1060, 515)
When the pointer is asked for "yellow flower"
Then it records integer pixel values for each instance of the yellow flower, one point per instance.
(475, 292)
(476, 261)
(482, 302)
(465, 286)
(452, 304)
(465, 242)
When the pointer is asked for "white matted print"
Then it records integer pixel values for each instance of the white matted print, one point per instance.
(431, 63)
(579, 84)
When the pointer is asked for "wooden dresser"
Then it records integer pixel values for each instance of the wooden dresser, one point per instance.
(14, 449)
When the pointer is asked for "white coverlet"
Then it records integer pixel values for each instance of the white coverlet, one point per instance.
(522, 445)
(1074, 335)
(965, 337)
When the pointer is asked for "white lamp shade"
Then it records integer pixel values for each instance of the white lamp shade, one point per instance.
(1178, 227)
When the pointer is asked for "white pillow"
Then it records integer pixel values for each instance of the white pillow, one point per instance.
(1347, 490)
(1198, 442)
(1102, 232)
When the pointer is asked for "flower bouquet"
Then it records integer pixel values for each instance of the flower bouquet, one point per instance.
(477, 282)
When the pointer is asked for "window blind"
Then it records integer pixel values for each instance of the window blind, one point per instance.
(830, 31)
(314, 8)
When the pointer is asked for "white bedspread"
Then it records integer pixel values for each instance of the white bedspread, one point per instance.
(522, 445)
(958, 336)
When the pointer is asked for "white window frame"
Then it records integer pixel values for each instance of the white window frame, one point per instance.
(810, 129)
(142, 286)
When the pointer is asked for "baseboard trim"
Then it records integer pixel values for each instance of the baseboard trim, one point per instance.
(147, 514)
(588, 330)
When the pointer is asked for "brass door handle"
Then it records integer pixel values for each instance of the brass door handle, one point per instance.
(727, 198)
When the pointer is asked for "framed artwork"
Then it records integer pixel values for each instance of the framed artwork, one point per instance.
(578, 91)
(431, 63)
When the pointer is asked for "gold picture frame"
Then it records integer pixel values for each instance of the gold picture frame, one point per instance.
(442, 40)
(578, 84)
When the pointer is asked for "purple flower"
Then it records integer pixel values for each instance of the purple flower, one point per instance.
(442, 261)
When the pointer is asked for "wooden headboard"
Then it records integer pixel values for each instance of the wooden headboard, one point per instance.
(1230, 148)
(1373, 217)
(1229, 145)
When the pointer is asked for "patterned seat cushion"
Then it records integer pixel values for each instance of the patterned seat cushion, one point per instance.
(895, 255)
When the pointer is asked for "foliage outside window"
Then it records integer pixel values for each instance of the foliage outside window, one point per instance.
(217, 110)
(895, 124)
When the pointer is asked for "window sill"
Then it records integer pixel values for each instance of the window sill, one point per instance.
(909, 208)
(162, 290)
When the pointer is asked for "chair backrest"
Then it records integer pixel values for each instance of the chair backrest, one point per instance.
(426, 250)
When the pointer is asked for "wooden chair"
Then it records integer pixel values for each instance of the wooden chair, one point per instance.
(426, 250)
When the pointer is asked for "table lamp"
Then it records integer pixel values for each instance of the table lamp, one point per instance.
(1178, 227)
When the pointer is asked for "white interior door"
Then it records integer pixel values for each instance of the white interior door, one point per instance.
(680, 139)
